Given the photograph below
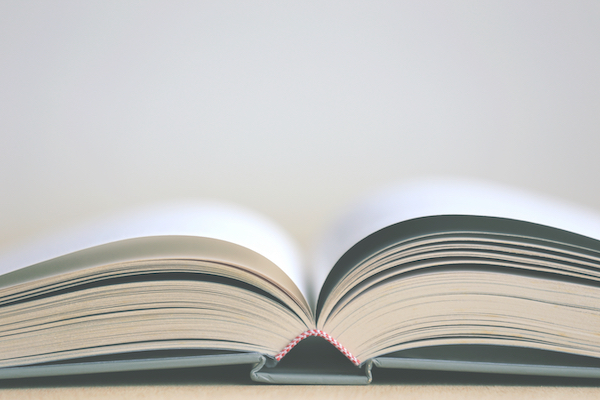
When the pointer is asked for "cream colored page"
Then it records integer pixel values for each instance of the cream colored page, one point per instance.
(211, 220)
(445, 197)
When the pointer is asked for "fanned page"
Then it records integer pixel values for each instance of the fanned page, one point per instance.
(219, 221)
(429, 197)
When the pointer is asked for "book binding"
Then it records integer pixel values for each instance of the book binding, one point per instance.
(324, 335)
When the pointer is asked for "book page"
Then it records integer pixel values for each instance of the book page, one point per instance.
(212, 220)
(445, 197)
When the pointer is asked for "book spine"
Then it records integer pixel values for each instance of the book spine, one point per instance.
(324, 335)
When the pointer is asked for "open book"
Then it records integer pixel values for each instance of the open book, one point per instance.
(440, 275)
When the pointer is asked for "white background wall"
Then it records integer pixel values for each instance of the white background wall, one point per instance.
(293, 109)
